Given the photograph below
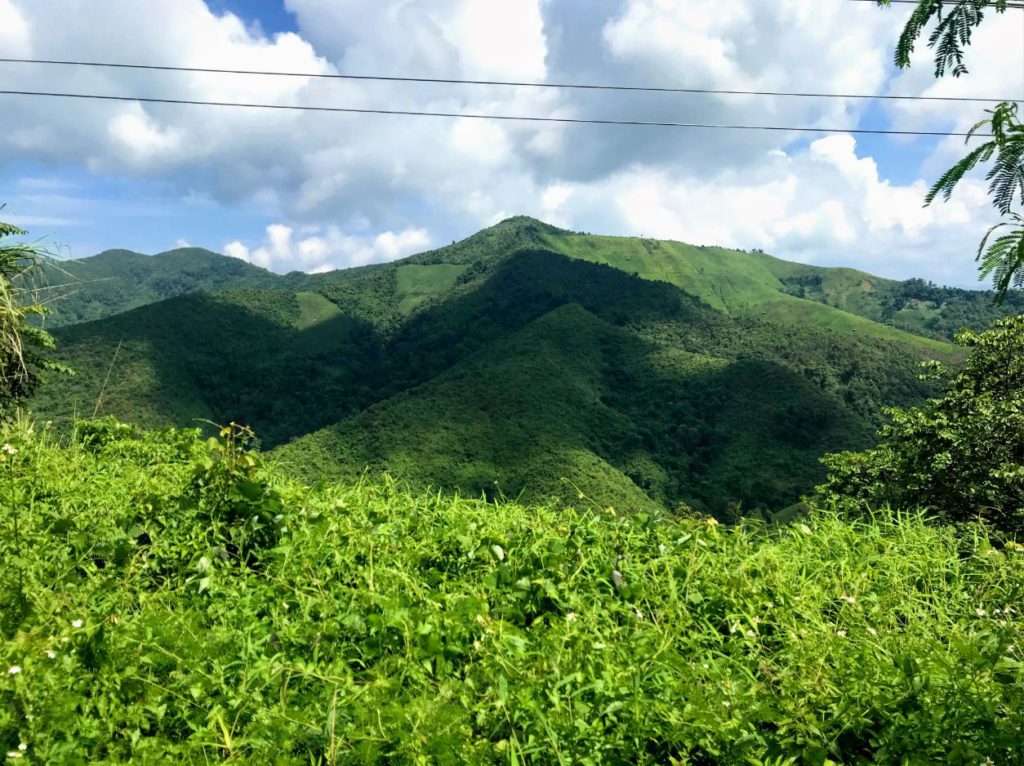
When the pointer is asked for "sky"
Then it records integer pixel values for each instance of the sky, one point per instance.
(310, 191)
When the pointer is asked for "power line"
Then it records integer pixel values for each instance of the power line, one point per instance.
(510, 118)
(506, 83)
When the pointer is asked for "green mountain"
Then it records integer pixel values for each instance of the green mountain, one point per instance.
(735, 281)
(119, 280)
(524, 360)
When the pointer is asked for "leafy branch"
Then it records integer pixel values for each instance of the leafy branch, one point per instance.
(952, 31)
(955, 21)
(22, 344)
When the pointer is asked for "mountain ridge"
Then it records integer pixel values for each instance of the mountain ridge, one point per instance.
(501, 360)
(736, 281)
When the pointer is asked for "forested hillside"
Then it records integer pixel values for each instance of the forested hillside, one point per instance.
(736, 281)
(119, 280)
(524, 361)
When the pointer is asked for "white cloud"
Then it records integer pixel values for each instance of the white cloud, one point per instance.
(345, 175)
(15, 40)
(328, 249)
(823, 204)
(138, 136)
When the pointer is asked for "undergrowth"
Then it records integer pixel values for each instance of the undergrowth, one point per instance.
(169, 598)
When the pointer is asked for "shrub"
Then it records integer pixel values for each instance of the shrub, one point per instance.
(960, 456)
(389, 627)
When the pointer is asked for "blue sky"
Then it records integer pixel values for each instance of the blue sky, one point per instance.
(271, 15)
(318, 191)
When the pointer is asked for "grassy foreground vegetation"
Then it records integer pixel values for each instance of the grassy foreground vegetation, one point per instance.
(165, 597)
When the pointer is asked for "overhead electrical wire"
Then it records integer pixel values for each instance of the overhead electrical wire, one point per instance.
(474, 116)
(505, 83)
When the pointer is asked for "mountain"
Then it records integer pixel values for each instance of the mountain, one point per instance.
(524, 360)
(735, 281)
(120, 280)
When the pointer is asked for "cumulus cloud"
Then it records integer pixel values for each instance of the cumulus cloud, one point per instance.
(14, 31)
(823, 204)
(317, 251)
(333, 177)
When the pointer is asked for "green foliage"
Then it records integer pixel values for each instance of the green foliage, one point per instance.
(960, 456)
(231, 498)
(119, 280)
(942, 312)
(375, 366)
(953, 29)
(23, 347)
(387, 627)
(1006, 176)
(555, 368)
(1004, 258)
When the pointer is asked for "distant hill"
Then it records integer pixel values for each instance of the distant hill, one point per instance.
(522, 360)
(120, 280)
(735, 281)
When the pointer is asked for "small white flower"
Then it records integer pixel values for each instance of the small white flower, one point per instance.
(639, 614)
(848, 599)
(14, 670)
(7, 448)
(477, 645)
(51, 654)
(726, 703)
(750, 634)
(23, 747)
(13, 754)
(662, 549)
(76, 623)
(872, 631)
(841, 633)
(706, 666)
(571, 617)
(980, 612)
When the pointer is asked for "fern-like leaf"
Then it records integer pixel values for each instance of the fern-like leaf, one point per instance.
(1003, 260)
(955, 174)
(955, 22)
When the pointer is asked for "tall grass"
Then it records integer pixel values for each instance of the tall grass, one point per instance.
(381, 626)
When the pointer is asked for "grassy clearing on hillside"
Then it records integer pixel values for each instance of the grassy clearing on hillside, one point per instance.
(416, 284)
(164, 598)
(742, 283)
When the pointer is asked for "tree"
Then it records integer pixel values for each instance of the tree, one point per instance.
(960, 456)
(1001, 257)
(23, 346)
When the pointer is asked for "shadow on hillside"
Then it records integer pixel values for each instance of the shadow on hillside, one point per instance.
(515, 388)
(226, 357)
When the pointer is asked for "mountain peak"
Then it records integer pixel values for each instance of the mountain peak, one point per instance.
(526, 223)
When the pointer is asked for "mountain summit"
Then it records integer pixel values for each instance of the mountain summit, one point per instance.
(524, 359)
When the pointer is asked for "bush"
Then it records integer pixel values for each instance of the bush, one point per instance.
(960, 456)
(389, 627)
